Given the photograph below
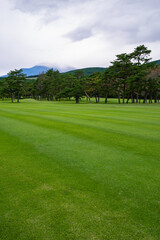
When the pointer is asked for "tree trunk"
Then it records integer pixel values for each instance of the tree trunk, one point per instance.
(145, 98)
(155, 99)
(106, 98)
(132, 98)
(77, 99)
(12, 97)
(18, 97)
(124, 93)
(128, 98)
(87, 96)
(119, 99)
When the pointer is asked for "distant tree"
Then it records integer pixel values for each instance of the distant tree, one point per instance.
(28, 89)
(93, 85)
(140, 55)
(48, 85)
(121, 71)
(38, 87)
(68, 81)
(140, 58)
(128, 73)
(79, 74)
(77, 90)
(2, 89)
(14, 83)
(107, 84)
(113, 77)
(153, 83)
(53, 84)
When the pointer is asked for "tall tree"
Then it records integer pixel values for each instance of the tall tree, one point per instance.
(78, 85)
(79, 74)
(140, 58)
(107, 83)
(68, 81)
(94, 86)
(153, 83)
(14, 84)
(122, 68)
(38, 87)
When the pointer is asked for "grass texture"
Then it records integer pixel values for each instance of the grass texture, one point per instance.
(82, 171)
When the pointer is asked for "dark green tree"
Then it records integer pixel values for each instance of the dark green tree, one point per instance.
(68, 81)
(153, 83)
(140, 58)
(93, 85)
(14, 84)
(107, 84)
(38, 87)
(122, 70)
(79, 74)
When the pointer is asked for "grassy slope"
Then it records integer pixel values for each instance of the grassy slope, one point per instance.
(88, 71)
(79, 171)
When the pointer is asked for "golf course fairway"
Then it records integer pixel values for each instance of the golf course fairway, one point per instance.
(79, 171)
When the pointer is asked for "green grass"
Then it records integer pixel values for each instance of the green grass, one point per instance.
(87, 171)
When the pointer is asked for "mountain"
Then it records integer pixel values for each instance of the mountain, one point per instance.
(34, 71)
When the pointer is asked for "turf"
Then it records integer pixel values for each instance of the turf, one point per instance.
(87, 171)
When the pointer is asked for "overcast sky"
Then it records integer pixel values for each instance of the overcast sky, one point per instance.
(75, 33)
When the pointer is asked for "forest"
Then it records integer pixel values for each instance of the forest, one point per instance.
(130, 78)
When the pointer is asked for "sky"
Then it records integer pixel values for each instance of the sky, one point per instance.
(68, 34)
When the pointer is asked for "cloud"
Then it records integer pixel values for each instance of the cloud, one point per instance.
(77, 33)
(37, 5)
(132, 20)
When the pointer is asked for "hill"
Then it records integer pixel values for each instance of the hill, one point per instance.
(88, 71)
(157, 62)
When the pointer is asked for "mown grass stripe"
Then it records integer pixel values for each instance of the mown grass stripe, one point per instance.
(79, 177)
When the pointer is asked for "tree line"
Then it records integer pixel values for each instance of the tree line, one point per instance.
(131, 77)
